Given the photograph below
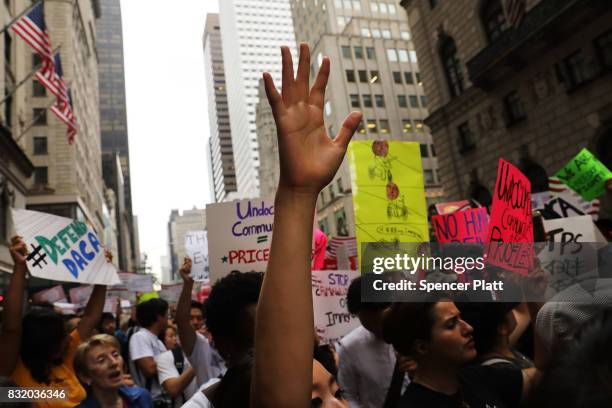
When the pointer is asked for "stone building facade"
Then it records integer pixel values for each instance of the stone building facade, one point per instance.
(534, 92)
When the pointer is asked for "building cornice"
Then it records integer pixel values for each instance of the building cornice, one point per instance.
(9, 145)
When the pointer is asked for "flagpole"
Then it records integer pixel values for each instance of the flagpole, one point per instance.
(6, 27)
(24, 80)
(33, 122)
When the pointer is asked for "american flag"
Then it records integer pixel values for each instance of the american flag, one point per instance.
(514, 11)
(47, 77)
(350, 242)
(62, 108)
(32, 28)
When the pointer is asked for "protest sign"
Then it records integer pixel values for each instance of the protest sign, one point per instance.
(471, 225)
(80, 295)
(196, 248)
(62, 249)
(332, 318)
(511, 221)
(585, 174)
(140, 283)
(573, 229)
(51, 295)
(242, 232)
(66, 308)
(388, 192)
(567, 203)
(171, 293)
(110, 305)
(452, 206)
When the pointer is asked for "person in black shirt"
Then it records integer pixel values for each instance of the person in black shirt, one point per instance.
(441, 343)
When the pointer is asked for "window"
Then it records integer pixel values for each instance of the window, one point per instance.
(576, 69)
(380, 101)
(413, 56)
(40, 145)
(414, 102)
(397, 77)
(355, 101)
(514, 108)
(424, 101)
(420, 126)
(36, 60)
(367, 100)
(350, 75)
(403, 55)
(417, 75)
(401, 101)
(339, 185)
(372, 128)
(338, 4)
(346, 51)
(358, 52)
(374, 78)
(39, 116)
(373, 7)
(452, 67)
(371, 54)
(392, 9)
(429, 176)
(41, 176)
(384, 126)
(603, 47)
(405, 35)
(365, 32)
(375, 33)
(357, 5)
(361, 129)
(424, 151)
(408, 78)
(347, 4)
(386, 34)
(382, 7)
(433, 151)
(38, 89)
(363, 76)
(341, 224)
(493, 20)
(433, 3)
(406, 126)
(466, 141)
(392, 54)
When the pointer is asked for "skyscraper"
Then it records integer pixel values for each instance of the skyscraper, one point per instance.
(252, 32)
(113, 125)
(374, 69)
(223, 173)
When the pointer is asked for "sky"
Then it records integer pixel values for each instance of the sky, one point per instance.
(167, 113)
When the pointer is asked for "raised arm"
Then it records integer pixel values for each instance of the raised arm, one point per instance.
(309, 158)
(187, 335)
(10, 330)
(94, 308)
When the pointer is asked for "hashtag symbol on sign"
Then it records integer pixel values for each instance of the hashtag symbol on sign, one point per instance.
(37, 256)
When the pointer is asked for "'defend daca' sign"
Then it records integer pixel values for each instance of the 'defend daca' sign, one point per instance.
(239, 236)
(62, 249)
(511, 223)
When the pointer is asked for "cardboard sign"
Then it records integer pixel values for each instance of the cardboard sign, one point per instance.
(196, 247)
(511, 221)
(332, 318)
(80, 295)
(242, 232)
(471, 225)
(140, 283)
(586, 175)
(566, 203)
(452, 206)
(62, 249)
(171, 293)
(573, 229)
(110, 305)
(52, 295)
(388, 192)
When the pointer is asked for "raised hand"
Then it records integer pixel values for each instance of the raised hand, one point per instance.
(309, 158)
(186, 270)
(19, 251)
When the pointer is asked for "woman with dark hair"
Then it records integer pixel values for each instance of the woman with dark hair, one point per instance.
(38, 351)
(442, 344)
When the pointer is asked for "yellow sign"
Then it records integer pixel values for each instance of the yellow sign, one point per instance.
(388, 192)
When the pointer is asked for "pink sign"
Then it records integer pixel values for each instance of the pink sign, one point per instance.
(469, 226)
(511, 222)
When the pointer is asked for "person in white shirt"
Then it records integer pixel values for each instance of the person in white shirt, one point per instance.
(145, 345)
(174, 372)
(367, 362)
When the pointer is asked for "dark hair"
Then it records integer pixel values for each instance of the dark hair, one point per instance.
(485, 318)
(324, 354)
(147, 312)
(226, 306)
(234, 389)
(580, 377)
(42, 335)
(197, 305)
(404, 323)
(353, 299)
(107, 316)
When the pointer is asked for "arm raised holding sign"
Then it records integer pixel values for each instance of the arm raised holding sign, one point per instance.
(309, 158)
(94, 308)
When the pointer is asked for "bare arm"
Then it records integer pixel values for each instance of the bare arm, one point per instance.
(175, 386)
(521, 314)
(147, 366)
(94, 308)
(10, 330)
(187, 335)
(309, 158)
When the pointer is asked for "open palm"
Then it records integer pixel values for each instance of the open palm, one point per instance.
(309, 158)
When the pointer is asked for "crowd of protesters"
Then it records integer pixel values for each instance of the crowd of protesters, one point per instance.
(252, 342)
